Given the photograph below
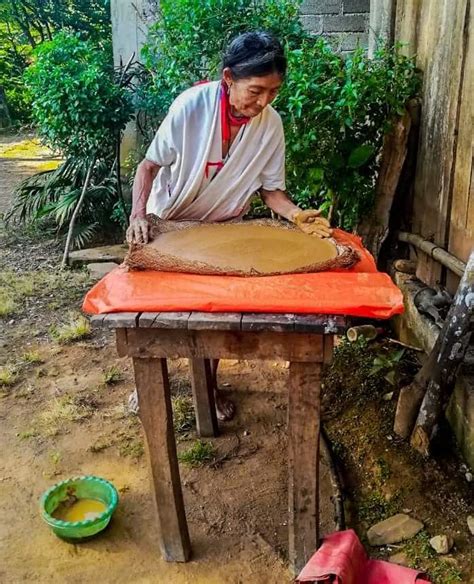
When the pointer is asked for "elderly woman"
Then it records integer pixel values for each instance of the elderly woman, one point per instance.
(220, 143)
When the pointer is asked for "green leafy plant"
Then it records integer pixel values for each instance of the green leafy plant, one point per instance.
(336, 112)
(199, 454)
(24, 25)
(112, 375)
(80, 105)
(388, 365)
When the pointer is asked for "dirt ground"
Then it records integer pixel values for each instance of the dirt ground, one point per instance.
(62, 412)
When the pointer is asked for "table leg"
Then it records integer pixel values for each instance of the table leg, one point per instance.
(303, 458)
(151, 378)
(203, 396)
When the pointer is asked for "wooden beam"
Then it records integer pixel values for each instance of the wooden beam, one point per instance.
(121, 320)
(97, 321)
(223, 321)
(303, 461)
(268, 322)
(321, 323)
(203, 397)
(146, 319)
(174, 344)
(171, 320)
(151, 378)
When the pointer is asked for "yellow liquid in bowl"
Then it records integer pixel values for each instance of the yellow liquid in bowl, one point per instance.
(80, 510)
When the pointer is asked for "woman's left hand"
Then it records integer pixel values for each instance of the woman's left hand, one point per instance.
(311, 222)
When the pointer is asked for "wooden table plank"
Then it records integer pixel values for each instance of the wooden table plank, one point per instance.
(114, 320)
(328, 324)
(146, 319)
(171, 320)
(173, 344)
(154, 397)
(303, 462)
(268, 322)
(224, 321)
(97, 321)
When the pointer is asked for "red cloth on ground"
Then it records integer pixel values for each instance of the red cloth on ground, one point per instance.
(359, 291)
(342, 560)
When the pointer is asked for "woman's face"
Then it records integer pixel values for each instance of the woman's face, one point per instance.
(249, 96)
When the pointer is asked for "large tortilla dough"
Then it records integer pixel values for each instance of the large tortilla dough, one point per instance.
(245, 247)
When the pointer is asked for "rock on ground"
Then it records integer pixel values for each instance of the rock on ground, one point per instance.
(470, 523)
(98, 270)
(104, 253)
(393, 530)
(441, 544)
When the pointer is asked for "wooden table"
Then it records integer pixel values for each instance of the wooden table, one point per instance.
(306, 341)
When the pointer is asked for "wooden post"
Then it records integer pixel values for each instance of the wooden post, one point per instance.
(203, 397)
(374, 227)
(446, 356)
(151, 378)
(303, 460)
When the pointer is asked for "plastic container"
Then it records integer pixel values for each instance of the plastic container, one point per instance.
(85, 487)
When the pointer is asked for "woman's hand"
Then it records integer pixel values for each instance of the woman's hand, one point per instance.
(311, 222)
(138, 230)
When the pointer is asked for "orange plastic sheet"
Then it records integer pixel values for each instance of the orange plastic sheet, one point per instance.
(360, 291)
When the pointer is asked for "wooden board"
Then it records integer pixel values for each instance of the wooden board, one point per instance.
(303, 462)
(268, 322)
(151, 379)
(435, 31)
(439, 129)
(461, 231)
(175, 344)
(225, 321)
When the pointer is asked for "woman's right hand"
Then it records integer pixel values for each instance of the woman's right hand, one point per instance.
(138, 230)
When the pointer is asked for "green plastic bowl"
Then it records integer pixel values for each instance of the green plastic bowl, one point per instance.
(87, 487)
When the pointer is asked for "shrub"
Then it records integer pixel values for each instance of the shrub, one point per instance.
(80, 109)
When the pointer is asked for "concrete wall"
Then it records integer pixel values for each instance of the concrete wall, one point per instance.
(346, 22)
(130, 21)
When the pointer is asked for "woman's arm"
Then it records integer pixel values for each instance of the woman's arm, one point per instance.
(142, 184)
(308, 221)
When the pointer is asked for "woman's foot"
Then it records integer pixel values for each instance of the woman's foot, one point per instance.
(225, 409)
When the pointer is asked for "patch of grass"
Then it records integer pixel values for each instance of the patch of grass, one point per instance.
(77, 328)
(112, 375)
(8, 376)
(348, 380)
(7, 304)
(132, 446)
(199, 454)
(382, 470)
(375, 507)
(423, 557)
(27, 434)
(17, 287)
(100, 444)
(55, 457)
(62, 410)
(183, 413)
(31, 357)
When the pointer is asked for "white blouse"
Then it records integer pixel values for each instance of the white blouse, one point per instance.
(192, 184)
